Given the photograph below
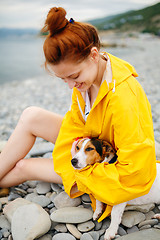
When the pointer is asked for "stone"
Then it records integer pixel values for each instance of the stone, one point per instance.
(4, 192)
(45, 237)
(73, 230)
(86, 226)
(71, 215)
(32, 184)
(56, 188)
(4, 223)
(29, 222)
(0, 206)
(42, 200)
(10, 209)
(86, 236)
(95, 235)
(61, 228)
(132, 229)
(4, 200)
(43, 187)
(31, 196)
(63, 200)
(98, 225)
(148, 234)
(41, 148)
(121, 231)
(147, 226)
(142, 208)
(63, 236)
(86, 199)
(149, 215)
(151, 222)
(131, 218)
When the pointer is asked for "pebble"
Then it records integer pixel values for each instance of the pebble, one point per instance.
(86, 236)
(142, 208)
(0, 206)
(43, 187)
(73, 230)
(4, 192)
(151, 222)
(86, 226)
(132, 218)
(61, 228)
(148, 234)
(63, 236)
(4, 223)
(95, 235)
(71, 215)
(56, 188)
(63, 200)
(42, 200)
(31, 226)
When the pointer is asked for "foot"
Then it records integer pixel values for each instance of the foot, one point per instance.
(110, 234)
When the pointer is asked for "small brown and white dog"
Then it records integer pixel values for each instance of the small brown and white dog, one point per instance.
(89, 151)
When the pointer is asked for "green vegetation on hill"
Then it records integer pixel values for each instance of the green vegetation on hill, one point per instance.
(144, 20)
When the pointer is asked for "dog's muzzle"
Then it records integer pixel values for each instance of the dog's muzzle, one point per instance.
(74, 162)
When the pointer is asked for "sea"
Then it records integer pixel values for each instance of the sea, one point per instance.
(21, 58)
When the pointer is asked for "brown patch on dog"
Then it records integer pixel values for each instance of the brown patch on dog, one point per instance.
(92, 155)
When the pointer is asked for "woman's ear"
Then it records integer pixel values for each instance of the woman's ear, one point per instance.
(94, 54)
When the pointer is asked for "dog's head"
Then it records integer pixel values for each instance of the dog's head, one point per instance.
(91, 151)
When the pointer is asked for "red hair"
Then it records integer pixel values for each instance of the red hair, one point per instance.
(67, 40)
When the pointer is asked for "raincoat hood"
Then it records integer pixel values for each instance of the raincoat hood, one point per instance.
(121, 115)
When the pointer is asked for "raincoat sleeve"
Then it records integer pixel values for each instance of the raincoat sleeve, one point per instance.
(135, 170)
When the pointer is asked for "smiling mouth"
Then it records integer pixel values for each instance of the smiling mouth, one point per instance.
(78, 85)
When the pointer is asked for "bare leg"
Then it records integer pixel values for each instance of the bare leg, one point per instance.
(34, 122)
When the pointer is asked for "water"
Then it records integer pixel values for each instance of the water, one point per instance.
(21, 58)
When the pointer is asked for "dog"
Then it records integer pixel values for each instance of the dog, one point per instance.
(90, 151)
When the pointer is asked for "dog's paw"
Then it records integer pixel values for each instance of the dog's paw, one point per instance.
(157, 216)
(110, 234)
(96, 215)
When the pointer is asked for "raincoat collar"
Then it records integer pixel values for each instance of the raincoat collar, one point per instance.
(121, 70)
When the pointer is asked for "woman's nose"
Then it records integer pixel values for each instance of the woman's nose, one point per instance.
(70, 83)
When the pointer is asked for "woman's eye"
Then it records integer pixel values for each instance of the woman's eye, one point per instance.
(77, 148)
(75, 77)
(89, 149)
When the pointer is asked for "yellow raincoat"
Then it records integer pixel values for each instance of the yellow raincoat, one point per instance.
(121, 115)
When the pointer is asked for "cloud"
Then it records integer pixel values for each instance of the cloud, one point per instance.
(32, 13)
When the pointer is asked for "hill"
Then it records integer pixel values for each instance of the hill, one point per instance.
(143, 20)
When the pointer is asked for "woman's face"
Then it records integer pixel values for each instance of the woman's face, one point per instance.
(80, 75)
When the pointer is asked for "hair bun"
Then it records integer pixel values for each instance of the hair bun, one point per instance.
(56, 20)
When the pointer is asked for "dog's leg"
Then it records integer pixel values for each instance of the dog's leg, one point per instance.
(116, 216)
(98, 211)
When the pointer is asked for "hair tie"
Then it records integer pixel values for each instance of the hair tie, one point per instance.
(71, 20)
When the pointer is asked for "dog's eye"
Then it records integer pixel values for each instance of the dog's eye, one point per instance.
(89, 149)
(77, 148)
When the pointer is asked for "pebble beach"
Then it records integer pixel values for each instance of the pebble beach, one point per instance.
(38, 210)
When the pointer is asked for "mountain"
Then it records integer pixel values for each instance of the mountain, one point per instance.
(143, 20)
(5, 32)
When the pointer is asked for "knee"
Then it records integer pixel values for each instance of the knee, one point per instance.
(29, 116)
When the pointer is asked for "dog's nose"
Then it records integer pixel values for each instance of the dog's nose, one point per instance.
(74, 161)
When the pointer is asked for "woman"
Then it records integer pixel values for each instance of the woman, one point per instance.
(107, 102)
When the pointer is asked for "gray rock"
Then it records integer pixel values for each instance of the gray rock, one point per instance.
(48, 155)
(56, 188)
(151, 222)
(63, 236)
(98, 225)
(41, 148)
(121, 231)
(41, 200)
(147, 226)
(132, 229)
(71, 215)
(31, 196)
(149, 215)
(142, 208)
(45, 237)
(132, 218)
(0, 206)
(94, 235)
(86, 236)
(32, 184)
(157, 226)
(4, 223)
(43, 187)
(148, 234)
(2, 144)
(86, 199)
(63, 200)
(61, 228)
(1, 235)
(35, 223)
(157, 147)
(10, 209)
(86, 226)
(73, 230)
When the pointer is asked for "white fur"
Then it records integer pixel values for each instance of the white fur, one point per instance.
(117, 211)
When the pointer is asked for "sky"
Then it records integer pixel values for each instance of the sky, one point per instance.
(32, 13)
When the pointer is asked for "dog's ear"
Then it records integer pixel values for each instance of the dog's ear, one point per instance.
(107, 148)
